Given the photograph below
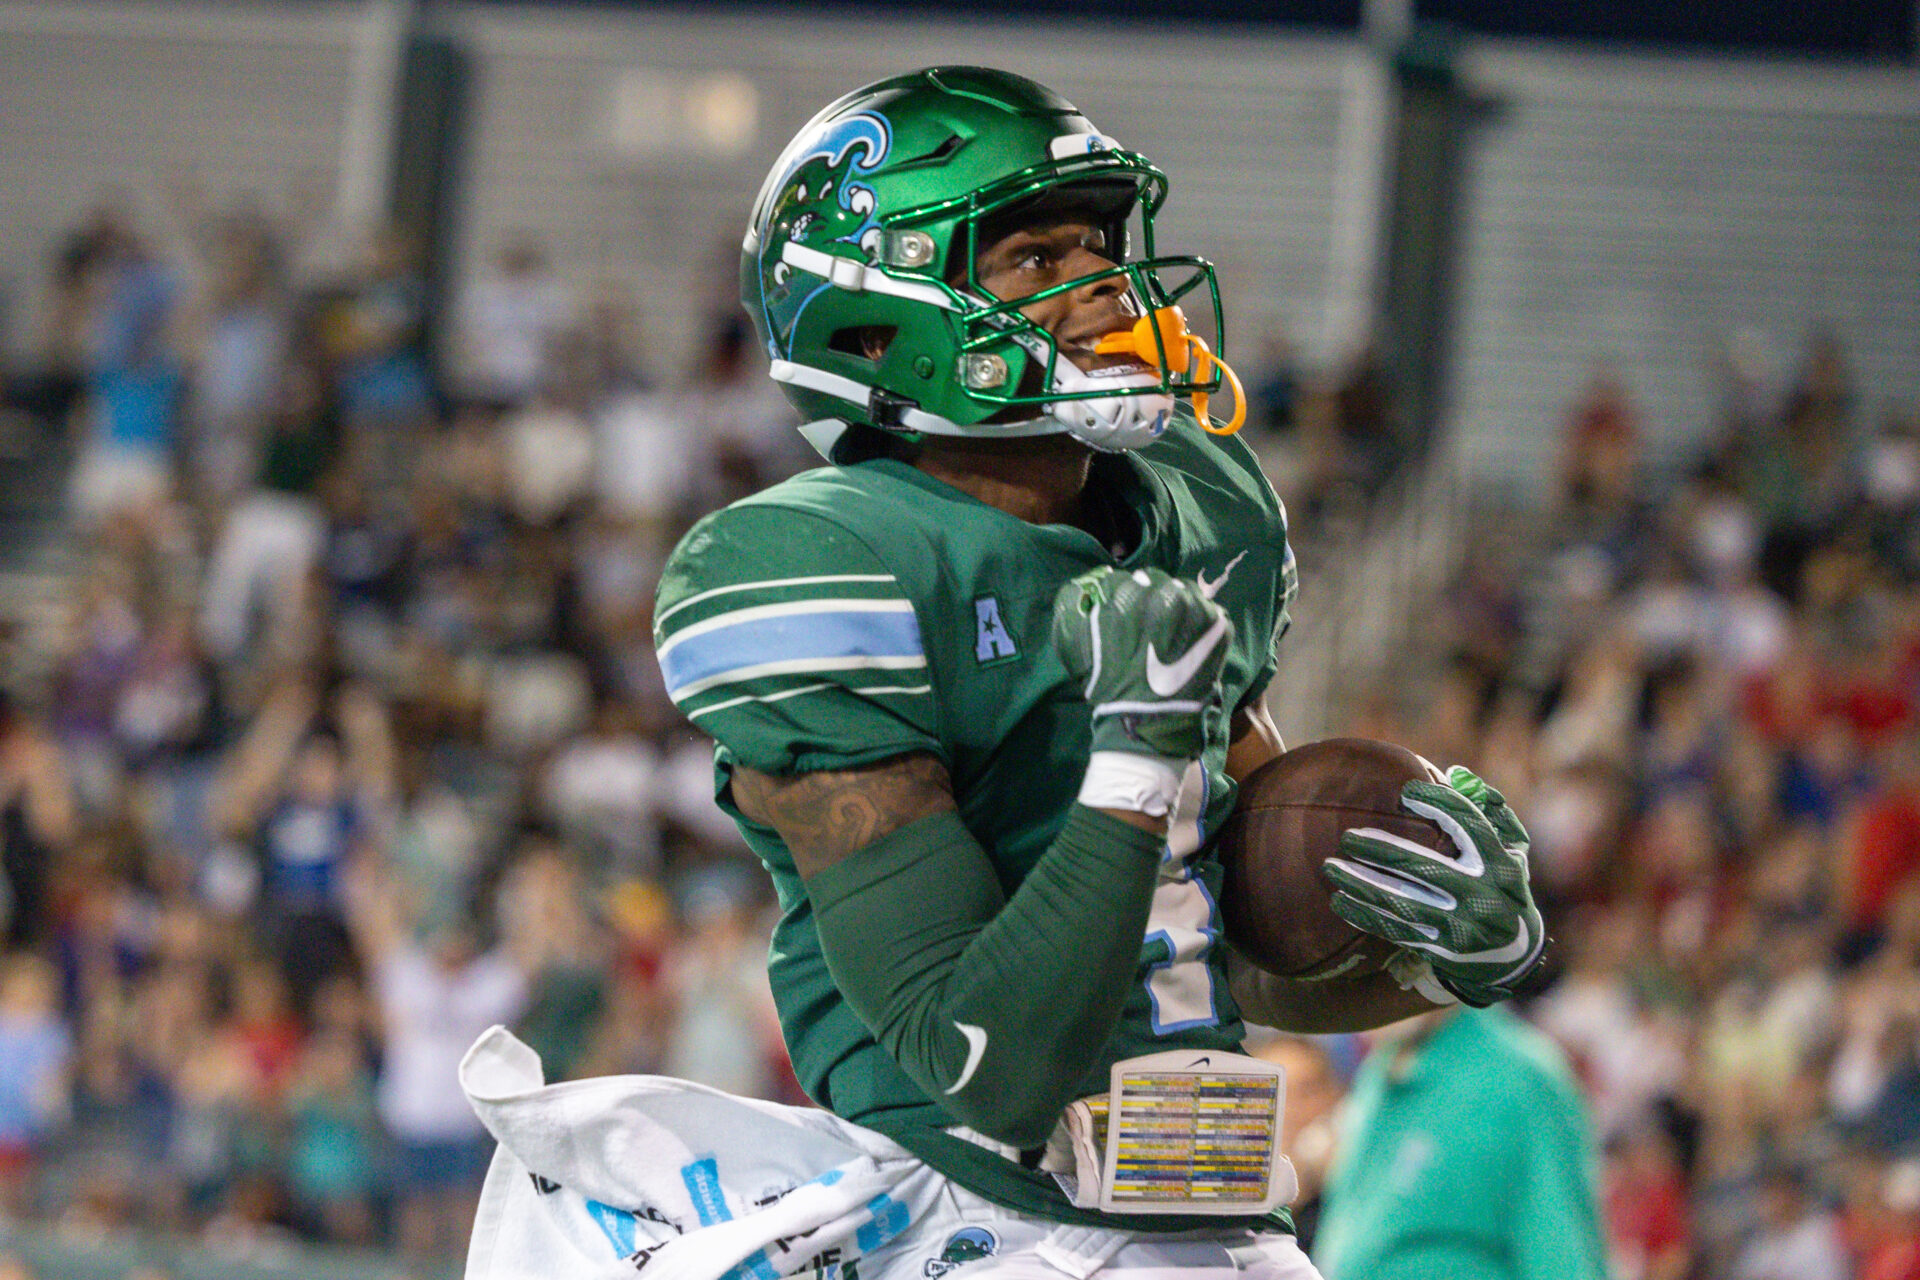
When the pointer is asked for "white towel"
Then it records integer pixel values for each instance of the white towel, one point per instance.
(605, 1178)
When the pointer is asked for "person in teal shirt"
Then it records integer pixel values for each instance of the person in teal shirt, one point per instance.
(1466, 1154)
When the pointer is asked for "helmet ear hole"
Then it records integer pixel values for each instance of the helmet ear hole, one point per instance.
(863, 342)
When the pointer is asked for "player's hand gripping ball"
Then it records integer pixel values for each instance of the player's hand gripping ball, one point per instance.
(1467, 907)
(1289, 819)
(1146, 650)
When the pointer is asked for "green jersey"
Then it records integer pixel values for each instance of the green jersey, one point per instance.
(858, 613)
(1471, 1159)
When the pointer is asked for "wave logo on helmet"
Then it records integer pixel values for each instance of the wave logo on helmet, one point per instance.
(821, 201)
(968, 1244)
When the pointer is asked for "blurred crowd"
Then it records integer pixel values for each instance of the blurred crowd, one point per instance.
(346, 739)
(1701, 695)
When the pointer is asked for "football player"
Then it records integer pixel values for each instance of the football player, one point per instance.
(981, 689)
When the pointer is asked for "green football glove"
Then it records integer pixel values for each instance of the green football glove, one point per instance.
(1471, 915)
(1146, 650)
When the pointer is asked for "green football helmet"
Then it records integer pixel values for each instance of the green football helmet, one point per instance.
(871, 220)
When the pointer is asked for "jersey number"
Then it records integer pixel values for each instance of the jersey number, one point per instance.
(1185, 920)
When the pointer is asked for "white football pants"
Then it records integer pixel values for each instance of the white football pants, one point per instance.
(628, 1176)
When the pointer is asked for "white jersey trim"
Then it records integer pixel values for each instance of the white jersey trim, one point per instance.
(807, 688)
(773, 584)
(798, 665)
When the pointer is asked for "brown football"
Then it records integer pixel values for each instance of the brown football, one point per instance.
(1287, 822)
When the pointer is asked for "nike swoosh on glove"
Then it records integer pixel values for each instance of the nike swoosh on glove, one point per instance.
(1470, 913)
(1146, 650)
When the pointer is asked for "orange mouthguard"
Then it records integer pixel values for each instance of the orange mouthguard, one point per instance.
(1184, 351)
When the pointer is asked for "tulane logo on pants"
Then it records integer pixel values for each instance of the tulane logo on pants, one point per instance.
(968, 1244)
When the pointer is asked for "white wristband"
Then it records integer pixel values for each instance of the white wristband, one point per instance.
(1126, 780)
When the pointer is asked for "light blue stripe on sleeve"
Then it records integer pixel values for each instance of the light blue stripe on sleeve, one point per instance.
(797, 637)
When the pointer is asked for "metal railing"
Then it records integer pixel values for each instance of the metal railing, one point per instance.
(1365, 608)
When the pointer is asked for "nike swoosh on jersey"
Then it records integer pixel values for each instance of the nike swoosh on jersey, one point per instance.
(976, 1050)
(1211, 589)
(1168, 678)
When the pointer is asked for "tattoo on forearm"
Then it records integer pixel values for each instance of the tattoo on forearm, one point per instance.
(825, 816)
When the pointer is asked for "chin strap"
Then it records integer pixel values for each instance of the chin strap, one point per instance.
(1109, 423)
(1162, 340)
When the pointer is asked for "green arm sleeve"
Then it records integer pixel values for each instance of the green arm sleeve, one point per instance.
(994, 1006)
(1559, 1237)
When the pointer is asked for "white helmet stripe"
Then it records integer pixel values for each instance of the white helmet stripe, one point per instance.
(858, 393)
(858, 277)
